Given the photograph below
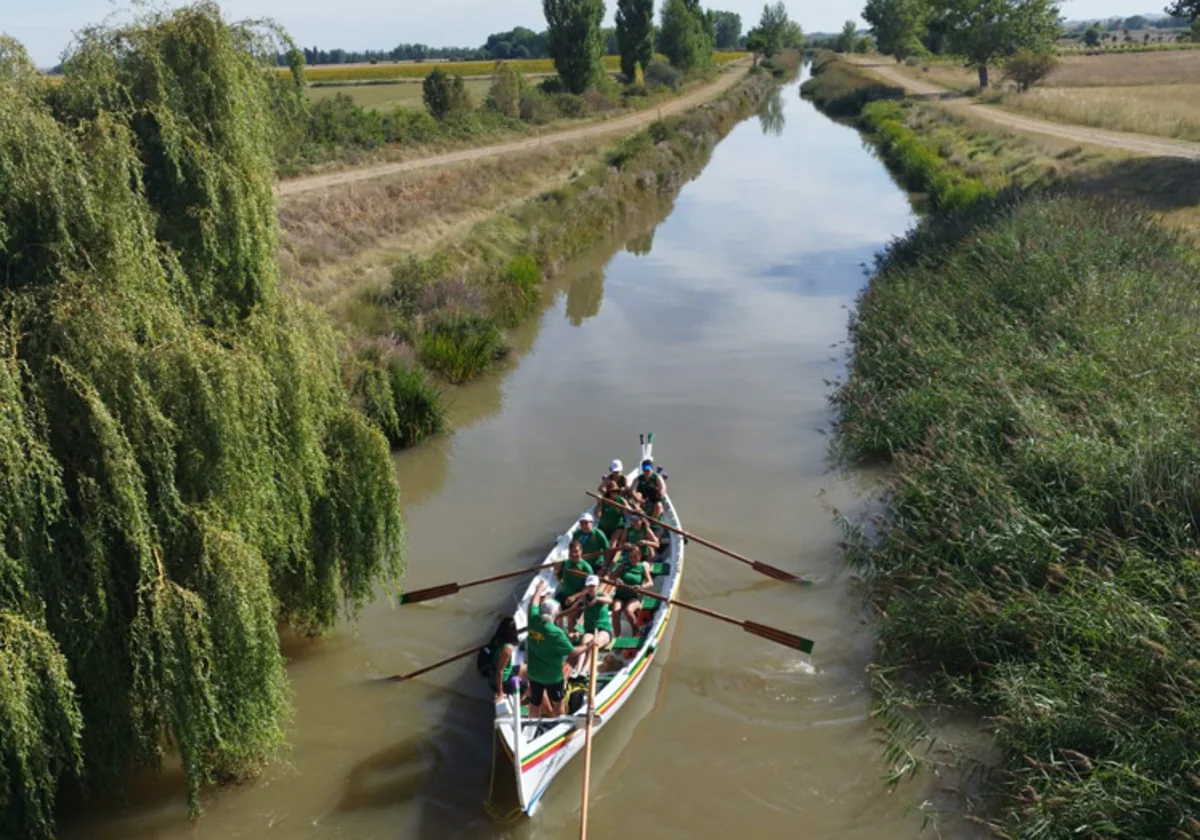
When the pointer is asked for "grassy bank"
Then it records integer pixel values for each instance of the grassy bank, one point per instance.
(1030, 369)
(442, 314)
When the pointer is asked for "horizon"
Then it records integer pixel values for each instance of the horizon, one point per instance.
(47, 29)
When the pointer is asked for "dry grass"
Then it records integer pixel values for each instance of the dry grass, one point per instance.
(1161, 110)
(1180, 67)
(339, 242)
(404, 94)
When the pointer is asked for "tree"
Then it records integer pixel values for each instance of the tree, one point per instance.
(1134, 23)
(1092, 36)
(982, 31)
(182, 466)
(728, 29)
(772, 27)
(897, 25)
(504, 96)
(575, 41)
(847, 38)
(1026, 68)
(756, 44)
(635, 35)
(684, 35)
(1185, 10)
(445, 93)
(793, 36)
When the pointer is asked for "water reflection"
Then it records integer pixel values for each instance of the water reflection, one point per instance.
(771, 116)
(584, 296)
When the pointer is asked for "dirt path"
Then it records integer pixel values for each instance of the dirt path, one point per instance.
(1140, 144)
(627, 124)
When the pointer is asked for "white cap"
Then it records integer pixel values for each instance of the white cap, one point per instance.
(587, 517)
(592, 580)
(615, 466)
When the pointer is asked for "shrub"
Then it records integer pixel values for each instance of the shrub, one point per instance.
(912, 61)
(459, 347)
(661, 74)
(399, 398)
(1026, 68)
(569, 105)
(840, 91)
(517, 290)
(535, 108)
(552, 85)
(504, 96)
(445, 94)
(635, 90)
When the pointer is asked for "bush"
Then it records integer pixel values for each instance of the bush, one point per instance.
(912, 61)
(1026, 68)
(504, 96)
(1030, 367)
(459, 347)
(660, 74)
(517, 291)
(535, 108)
(841, 91)
(569, 105)
(399, 399)
(552, 85)
(445, 94)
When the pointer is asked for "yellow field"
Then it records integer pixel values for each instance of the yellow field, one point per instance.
(412, 70)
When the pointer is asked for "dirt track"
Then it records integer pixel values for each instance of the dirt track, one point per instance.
(1140, 144)
(627, 124)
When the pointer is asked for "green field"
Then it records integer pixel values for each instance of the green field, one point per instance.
(405, 94)
(419, 70)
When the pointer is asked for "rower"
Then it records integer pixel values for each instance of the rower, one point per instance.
(610, 522)
(616, 476)
(641, 534)
(632, 570)
(548, 648)
(597, 620)
(505, 652)
(589, 536)
(571, 575)
(650, 485)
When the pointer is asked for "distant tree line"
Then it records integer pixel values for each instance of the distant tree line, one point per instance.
(517, 43)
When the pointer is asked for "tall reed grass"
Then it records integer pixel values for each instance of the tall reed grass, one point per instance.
(1031, 368)
(840, 90)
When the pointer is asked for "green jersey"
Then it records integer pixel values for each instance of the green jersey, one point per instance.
(611, 519)
(572, 583)
(629, 572)
(597, 616)
(548, 649)
(593, 542)
(508, 668)
(637, 535)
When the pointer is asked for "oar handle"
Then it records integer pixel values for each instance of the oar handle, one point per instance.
(763, 568)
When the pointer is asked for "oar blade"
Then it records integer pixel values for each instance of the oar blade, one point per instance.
(778, 636)
(419, 595)
(777, 573)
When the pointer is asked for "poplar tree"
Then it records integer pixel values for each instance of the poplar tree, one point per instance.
(575, 41)
(635, 35)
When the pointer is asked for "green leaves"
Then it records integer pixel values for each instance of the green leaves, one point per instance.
(575, 41)
(179, 463)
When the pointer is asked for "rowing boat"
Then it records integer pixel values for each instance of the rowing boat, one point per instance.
(540, 749)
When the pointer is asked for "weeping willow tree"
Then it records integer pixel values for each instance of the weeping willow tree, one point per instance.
(180, 467)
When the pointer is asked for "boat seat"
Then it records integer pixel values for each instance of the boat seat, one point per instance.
(660, 569)
(626, 643)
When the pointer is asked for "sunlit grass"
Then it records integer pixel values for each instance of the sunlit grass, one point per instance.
(1162, 110)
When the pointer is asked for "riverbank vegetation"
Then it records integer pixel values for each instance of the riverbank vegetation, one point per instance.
(445, 310)
(1028, 367)
(182, 465)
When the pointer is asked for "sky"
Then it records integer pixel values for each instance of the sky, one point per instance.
(45, 27)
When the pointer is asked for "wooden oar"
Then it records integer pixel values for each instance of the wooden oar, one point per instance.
(762, 568)
(428, 594)
(438, 664)
(771, 634)
(587, 742)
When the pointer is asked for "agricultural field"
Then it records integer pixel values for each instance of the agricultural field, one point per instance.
(418, 70)
(1109, 69)
(384, 97)
(1161, 110)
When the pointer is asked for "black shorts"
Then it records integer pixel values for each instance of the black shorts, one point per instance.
(512, 685)
(556, 691)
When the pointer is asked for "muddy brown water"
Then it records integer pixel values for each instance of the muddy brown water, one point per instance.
(719, 325)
